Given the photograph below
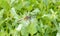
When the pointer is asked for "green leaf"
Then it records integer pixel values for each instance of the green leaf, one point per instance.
(5, 5)
(32, 29)
(24, 31)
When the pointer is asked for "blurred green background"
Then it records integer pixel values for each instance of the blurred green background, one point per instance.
(29, 17)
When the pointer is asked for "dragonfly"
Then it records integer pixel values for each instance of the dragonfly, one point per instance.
(25, 18)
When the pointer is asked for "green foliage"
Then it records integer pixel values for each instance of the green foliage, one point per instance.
(29, 17)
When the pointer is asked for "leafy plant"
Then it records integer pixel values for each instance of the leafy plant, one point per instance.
(29, 17)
